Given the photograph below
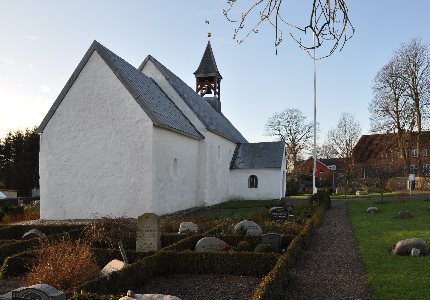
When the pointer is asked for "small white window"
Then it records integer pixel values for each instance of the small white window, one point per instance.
(175, 167)
(414, 153)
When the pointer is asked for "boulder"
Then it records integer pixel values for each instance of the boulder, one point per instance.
(404, 214)
(372, 210)
(404, 247)
(250, 228)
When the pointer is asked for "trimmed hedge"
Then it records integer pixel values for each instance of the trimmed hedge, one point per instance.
(273, 285)
(20, 264)
(164, 263)
(17, 231)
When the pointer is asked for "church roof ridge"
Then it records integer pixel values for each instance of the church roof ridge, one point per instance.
(150, 97)
(207, 66)
(213, 121)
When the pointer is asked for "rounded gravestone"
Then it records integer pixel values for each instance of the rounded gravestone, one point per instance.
(404, 247)
(209, 244)
(372, 210)
(31, 234)
(186, 227)
(249, 227)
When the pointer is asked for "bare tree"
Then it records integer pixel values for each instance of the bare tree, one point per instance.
(390, 110)
(291, 127)
(327, 150)
(328, 20)
(414, 72)
(344, 137)
(382, 171)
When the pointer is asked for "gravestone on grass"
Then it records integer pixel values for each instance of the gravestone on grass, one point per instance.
(279, 213)
(273, 240)
(209, 244)
(249, 227)
(35, 292)
(33, 233)
(186, 227)
(148, 233)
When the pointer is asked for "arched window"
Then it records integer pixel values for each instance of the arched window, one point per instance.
(252, 182)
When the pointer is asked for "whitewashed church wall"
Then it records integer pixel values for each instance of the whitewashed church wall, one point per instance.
(151, 71)
(219, 154)
(95, 153)
(175, 171)
(269, 184)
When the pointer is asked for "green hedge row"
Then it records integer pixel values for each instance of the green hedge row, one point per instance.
(164, 263)
(17, 231)
(273, 285)
(19, 264)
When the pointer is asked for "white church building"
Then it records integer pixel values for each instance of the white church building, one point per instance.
(122, 141)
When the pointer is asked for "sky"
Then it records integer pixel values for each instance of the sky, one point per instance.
(42, 42)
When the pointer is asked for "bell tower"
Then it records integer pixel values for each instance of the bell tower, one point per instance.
(208, 78)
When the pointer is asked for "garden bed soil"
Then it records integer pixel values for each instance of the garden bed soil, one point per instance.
(202, 286)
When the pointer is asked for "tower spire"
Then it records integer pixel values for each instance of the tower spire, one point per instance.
(208, 78)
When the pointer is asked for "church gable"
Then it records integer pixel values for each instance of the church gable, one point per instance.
(159, 108)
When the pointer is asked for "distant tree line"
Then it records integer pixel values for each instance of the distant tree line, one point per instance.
(19, 161)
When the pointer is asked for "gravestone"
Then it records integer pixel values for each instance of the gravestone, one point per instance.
(404, 247)
(31, 234)
(148, 233)
(250, 228)
(273, 240)
(35, 292)
(209, 244)
(279, 213)
(149, 297)
(359, 193)
(112, 266)
(185, 227)
(372, 210)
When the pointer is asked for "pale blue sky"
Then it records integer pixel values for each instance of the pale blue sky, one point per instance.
(41, 43)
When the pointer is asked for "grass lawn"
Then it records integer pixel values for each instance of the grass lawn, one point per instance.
(393, 277)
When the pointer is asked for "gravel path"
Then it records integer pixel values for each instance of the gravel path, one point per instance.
(331, 267)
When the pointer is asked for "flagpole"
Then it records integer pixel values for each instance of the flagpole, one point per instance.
(314, 190)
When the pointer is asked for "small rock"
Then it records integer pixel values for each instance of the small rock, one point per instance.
(404, 214)
(404, 247)
(415, 252)
(372, 210)
(130, 293)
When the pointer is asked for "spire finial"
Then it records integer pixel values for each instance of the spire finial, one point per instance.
(209, 36)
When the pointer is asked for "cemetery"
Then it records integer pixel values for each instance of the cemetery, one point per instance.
(185, 247)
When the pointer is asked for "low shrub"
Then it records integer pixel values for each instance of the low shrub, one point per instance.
(18, 264)
(244, 246)
(322, 198)
(263, 248)
(64, 264)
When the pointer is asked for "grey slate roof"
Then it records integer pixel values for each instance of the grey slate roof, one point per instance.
(151, 98)
(258, 155)
(208, 65)
(214, 121)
